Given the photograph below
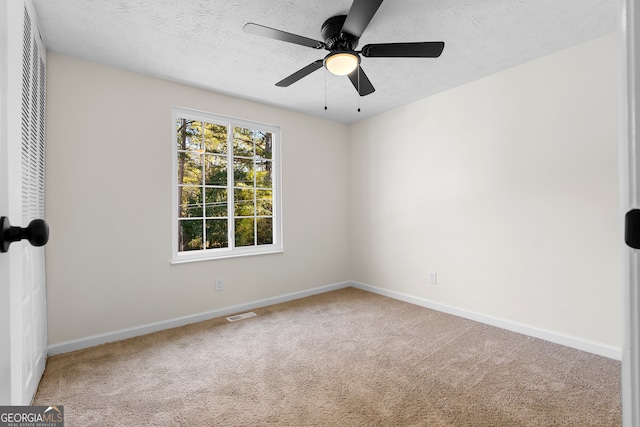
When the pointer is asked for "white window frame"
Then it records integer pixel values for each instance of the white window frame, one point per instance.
(231, 250)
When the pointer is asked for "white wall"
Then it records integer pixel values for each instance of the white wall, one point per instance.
(109, 204)
(507, 187)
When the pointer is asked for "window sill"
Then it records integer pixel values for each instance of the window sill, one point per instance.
(212, 257)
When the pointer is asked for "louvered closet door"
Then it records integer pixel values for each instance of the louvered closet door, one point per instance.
(22, 199)
(34, 327)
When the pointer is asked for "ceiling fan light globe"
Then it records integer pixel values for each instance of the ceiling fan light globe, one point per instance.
(341, 63)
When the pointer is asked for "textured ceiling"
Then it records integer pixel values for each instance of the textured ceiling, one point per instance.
(201, 43)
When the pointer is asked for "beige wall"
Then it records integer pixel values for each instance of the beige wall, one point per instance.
(507, 187)
(109, 204)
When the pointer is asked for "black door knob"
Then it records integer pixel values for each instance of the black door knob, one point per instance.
(37, 232)
(632, 228)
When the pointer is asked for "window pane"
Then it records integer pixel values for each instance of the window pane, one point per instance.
(215, 169)
(215, 138)
(242, 142)
(190, 202)
(244, 232)
(190, 235)
(189, 168)
(243, 172)
(264, 142)
(265, 231)
(189, 135)
(243, 202)
(264, 202)
(216, 202)
(264, 177)
(217, 236)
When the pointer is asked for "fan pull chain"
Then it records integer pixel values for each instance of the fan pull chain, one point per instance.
(359, 89)
(325, 90)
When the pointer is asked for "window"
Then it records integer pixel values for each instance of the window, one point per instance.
(226, 187)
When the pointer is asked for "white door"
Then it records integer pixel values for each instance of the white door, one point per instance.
(630, 183)
(23, 327)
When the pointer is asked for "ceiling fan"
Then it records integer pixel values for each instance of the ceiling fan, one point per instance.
(341, 34)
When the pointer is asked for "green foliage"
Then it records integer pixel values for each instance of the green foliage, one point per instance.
(203, 181)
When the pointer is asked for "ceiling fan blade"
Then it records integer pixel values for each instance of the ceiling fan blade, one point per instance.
(272, 33)
(359, 16)
(360, 79)
(288, 81)
(403, 50)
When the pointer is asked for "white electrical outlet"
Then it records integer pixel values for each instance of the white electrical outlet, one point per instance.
(219, 284)
(433, 278)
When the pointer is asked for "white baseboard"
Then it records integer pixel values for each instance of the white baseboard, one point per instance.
(569, 341)
(91, 341)
(605, 350)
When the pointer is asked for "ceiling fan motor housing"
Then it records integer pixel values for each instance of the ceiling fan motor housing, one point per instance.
(333, 36)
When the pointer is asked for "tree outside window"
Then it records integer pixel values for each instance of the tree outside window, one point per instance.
(226, 192)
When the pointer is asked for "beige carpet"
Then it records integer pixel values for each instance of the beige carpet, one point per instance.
(344, 358)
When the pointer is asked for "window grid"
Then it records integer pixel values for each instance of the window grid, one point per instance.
(255, 185)
(249, 220)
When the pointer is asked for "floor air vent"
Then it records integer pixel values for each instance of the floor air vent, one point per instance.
(241, 316)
